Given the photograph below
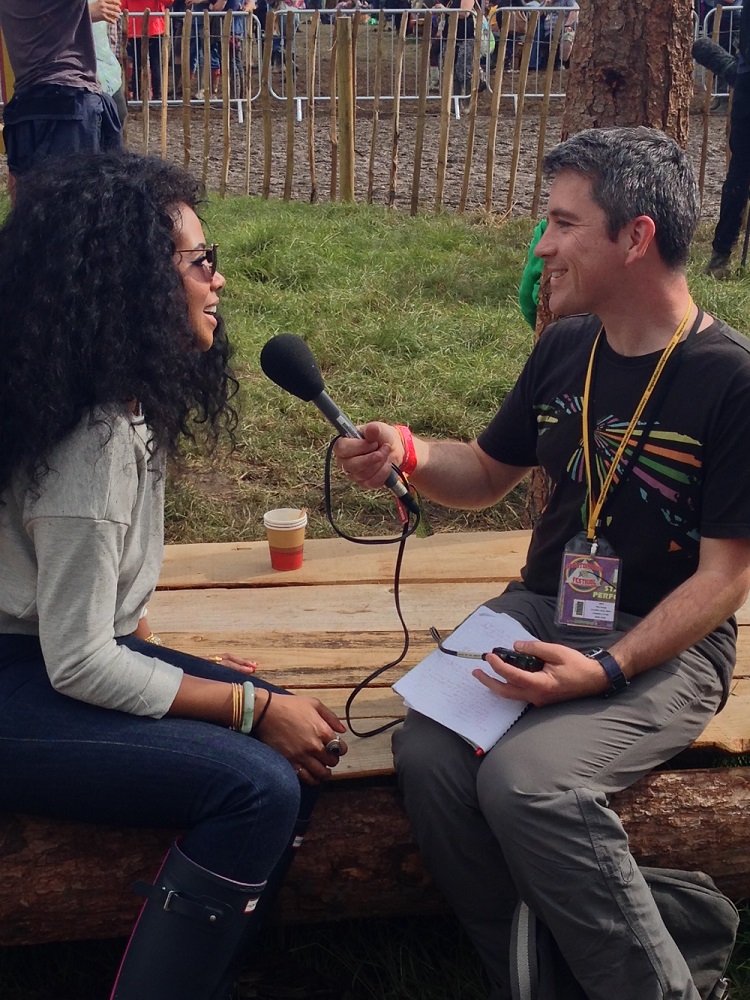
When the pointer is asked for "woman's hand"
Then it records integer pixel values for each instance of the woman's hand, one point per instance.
(299, 728)
(235, 662)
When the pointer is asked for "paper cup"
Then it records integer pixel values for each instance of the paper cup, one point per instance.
(285, 529)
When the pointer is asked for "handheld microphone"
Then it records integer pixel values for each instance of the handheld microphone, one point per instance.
(288, 361)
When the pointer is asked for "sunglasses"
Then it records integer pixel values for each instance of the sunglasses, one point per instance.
(208, 260)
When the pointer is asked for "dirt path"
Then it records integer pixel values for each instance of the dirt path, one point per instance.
(457, 146)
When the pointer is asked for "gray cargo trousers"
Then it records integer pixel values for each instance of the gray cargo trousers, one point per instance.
(532, 818)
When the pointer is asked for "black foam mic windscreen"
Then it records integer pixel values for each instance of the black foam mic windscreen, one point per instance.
(707, 53)
(288, 361)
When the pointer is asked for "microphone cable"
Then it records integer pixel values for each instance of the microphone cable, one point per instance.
(406, 532)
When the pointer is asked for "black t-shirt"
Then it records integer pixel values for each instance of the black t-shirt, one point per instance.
(691, 478)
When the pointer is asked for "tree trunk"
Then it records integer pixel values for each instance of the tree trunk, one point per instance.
(70, 881)
(631, 65)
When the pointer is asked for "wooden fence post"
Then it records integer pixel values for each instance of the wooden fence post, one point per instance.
(265, 100)
(313, 30)
(290, 93)
(225, 123)
(445, 107)
(122, 56)
(166, 45)
(497, 89)
(476, 49)
(187, 28)
(332, 125)
(345, 107)
(144, 75)
(375, 106)
(544, 114)
(247, 57)
(396, 132)
(424, 86)
(206, 96)
(523, 76)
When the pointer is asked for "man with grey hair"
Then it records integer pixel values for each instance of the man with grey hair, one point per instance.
(637, 406)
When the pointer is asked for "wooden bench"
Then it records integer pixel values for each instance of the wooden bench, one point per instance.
(321, 629)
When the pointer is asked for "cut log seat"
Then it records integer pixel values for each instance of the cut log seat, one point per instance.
(321, 629)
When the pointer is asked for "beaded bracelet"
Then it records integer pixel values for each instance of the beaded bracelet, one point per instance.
(409, 461)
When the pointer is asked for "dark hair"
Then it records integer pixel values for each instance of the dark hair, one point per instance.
(94, 312)
(636, 171)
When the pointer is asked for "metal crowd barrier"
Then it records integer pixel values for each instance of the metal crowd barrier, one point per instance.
(377, 57)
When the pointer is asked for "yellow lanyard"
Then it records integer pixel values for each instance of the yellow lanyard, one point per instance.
(595, 506)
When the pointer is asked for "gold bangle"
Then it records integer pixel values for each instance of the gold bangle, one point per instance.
(238, 706)
(154, 639)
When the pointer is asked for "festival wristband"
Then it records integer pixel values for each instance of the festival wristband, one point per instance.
(409, 461)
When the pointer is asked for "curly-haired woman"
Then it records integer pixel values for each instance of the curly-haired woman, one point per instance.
(111, 351)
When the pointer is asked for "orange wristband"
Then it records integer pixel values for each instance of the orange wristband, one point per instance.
(409, 462)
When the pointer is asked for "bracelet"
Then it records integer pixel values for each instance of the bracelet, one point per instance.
(238, 700)
(248, 707)
(153, 639)
(409, 461)
(263, 711)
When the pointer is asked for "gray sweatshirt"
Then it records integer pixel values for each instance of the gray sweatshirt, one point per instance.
(80, 558)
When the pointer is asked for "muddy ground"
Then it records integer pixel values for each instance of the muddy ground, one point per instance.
(207, 155)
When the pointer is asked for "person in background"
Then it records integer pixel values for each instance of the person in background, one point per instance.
(636, 406)
(241, 12)
(464, 58)
(198, 8)
(108, 69)
(734, 193)
(155, 34)
(516, 32)
(111, 305)
(57, 106)
(545, 28)
(531, 278)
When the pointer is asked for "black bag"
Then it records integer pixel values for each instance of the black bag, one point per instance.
(702, 921)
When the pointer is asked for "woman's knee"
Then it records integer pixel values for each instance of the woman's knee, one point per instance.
(260, 788)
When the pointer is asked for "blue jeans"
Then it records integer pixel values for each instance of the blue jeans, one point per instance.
(237, 800)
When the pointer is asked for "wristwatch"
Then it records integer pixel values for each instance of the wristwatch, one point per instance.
(611, 667)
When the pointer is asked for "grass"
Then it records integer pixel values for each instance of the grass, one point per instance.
(404, 316)
(412, 320)
(426, 958)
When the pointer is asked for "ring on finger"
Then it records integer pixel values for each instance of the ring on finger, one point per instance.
(334, 746)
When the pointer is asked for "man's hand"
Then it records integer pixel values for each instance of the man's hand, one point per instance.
(567, 674)
(368, 461)
(105, 10)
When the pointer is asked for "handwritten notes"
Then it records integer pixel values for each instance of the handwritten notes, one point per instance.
(442, 687)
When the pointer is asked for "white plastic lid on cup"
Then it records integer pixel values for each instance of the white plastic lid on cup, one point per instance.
(285, 518)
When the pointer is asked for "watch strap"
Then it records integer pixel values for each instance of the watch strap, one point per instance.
(617, 679)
